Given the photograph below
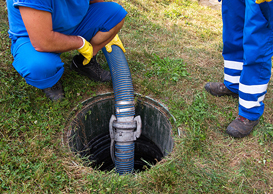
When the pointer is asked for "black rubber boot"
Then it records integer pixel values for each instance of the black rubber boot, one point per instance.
(55, 92)
(92, 70)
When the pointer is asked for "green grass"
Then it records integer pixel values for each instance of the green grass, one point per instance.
(173, 47)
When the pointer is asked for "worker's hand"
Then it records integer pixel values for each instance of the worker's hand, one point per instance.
(114, 41)
(86, 50)
(261, 1)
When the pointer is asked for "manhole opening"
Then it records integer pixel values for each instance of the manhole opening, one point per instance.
(98, 152)
(87, 133)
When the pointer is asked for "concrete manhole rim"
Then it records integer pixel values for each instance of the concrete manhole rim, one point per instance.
(82, 106)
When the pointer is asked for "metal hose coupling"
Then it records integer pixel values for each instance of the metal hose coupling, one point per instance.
(123, 135)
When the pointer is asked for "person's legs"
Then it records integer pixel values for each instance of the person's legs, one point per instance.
(256, 72)
(233, 23)
(100, 25)
(40, 69)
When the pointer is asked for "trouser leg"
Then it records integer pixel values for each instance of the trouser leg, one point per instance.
(40, 69)
(233, 23)
(101, 23)
(257, 44)
(101, 17)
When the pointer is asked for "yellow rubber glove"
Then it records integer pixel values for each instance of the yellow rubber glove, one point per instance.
(86, 50)
(261, 1)
(114, 41)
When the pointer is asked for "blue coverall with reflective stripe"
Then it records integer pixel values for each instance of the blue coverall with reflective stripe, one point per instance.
(247, 52)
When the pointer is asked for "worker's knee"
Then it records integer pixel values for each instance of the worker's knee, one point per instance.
(43, 66)
(35, 65)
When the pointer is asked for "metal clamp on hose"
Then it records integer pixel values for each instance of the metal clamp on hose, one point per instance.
(137, 133)
(111, 131)
(123, 131)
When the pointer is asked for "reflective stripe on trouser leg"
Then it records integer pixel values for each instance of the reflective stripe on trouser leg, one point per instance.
(232, 72)
(233, 24)
(258, 41)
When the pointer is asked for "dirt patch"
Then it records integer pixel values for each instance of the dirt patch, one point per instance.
(214, 4)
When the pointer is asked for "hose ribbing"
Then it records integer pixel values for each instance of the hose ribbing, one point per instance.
(124, 106)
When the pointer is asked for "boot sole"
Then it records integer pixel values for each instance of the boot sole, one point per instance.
(219, 95)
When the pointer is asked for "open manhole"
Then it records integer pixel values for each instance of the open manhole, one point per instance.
(87, 133)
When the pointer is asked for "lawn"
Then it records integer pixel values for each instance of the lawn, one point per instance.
(173, 48)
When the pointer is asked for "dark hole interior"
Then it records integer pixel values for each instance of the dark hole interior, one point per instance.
(97, 151)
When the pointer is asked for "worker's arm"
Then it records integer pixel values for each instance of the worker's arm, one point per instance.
(95, 1)
(43, 38)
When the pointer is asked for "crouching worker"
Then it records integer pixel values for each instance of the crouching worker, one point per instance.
(40, 30)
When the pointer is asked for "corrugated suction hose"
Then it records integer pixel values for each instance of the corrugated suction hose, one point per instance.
(124, 128)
